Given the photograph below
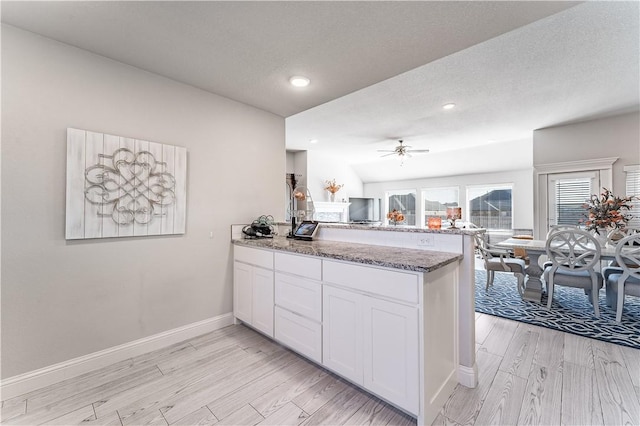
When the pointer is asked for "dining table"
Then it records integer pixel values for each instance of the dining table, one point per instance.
(535, 249)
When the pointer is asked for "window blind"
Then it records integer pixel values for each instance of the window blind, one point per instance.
(633, 189)
(571, 194)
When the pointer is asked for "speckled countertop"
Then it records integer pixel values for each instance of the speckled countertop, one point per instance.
(389, 257)
(399, 228)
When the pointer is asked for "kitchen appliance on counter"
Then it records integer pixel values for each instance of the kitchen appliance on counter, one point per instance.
(364, 210)
(262, 227)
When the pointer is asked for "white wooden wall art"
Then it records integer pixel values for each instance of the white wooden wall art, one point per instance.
(122, 187)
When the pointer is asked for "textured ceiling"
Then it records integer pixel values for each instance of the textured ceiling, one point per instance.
(380, 71)
(579, 64)
(247, 50)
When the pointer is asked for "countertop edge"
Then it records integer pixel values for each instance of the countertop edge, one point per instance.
(323, 249)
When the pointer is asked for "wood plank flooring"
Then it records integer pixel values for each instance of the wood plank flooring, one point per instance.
(235, 376)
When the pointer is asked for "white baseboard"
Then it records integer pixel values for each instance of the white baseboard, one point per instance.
(37, 379)
(468, 376)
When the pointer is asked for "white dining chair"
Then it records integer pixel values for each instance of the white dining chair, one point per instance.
(574, 256)
(500, 260)
(623, 279)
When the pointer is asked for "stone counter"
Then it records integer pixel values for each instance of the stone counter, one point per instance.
(388, 257)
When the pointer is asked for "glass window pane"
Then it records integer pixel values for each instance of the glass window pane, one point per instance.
(436, 201)
(490, 207)
(404, 202)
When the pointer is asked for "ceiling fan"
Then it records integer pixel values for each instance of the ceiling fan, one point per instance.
(402, 151)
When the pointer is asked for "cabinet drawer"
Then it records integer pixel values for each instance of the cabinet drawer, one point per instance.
(299, 295)
(262, 258)
(299, 333)
(397, 285)
(300, 265)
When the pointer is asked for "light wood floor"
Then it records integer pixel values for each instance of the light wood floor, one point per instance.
(234, 376)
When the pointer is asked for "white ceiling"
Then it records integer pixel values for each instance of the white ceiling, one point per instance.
(510, 66)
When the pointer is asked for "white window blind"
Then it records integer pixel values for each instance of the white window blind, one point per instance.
(633, 189)
(571, 194)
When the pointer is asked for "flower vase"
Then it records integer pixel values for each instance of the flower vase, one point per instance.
(332, 197)
(601, 236)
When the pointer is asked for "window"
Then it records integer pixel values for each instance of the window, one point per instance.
(405, 202)
(567, 194)
(570, 196)
(633, 189)
(436, 201)
(490, 206)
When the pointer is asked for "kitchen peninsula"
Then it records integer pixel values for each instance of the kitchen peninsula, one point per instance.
(382, 307)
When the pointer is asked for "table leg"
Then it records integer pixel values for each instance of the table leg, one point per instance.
(533, 284)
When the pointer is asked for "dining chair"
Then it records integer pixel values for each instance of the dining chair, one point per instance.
(574, 255)
(623, 279)
(499, 260)
(553, 229)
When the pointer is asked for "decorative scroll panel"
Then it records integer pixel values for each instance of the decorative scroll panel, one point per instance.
(120, 187)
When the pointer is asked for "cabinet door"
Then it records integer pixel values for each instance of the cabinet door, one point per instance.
(262, 302)
(390, 340)
(242, 291)
(342, 332)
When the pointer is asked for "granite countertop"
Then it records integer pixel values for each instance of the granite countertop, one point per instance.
(399, 228)
(389, 257)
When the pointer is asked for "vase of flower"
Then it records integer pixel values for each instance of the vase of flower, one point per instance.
(606, 212)
(395, 217)
(332, 187)
(600, 235)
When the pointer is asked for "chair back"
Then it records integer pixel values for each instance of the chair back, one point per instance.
(628, 256)
(481, 246)
(615, 236)
(556, 228)
(573, 250)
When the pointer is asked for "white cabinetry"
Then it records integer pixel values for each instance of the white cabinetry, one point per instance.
(369, 339)
(342, 335)
(391, 361)
(390, 331)
(298, 299)
(253, 288)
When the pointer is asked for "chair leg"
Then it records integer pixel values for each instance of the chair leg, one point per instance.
(549, 291)
(620, 304)
(489, 280)
(595, 299)
(520, 278)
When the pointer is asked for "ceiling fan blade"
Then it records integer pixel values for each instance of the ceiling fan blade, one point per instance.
(386, 155)
(386, 150)
(406, 154)
(419, 151)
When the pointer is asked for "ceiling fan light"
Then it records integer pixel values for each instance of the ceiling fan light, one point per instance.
(449, 106)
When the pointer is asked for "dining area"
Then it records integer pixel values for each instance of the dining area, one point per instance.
(577, 259)
(570, 281)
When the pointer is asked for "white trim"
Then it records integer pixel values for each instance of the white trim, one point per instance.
(540, 195)
(632, 168)
(575, 166)
(37, 379)
(468, 376)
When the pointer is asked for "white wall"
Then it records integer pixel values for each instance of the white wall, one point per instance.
(522, 181)
(321, 167)
(63, 299)
(617, 136)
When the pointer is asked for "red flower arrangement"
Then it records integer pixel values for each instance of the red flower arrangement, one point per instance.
(605, 211)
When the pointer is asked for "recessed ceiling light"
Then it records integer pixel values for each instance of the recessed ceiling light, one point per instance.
(313, 140)
(299, 81)
(449, 106)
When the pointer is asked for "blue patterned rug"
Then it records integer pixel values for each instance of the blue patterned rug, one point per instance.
(570, 311)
